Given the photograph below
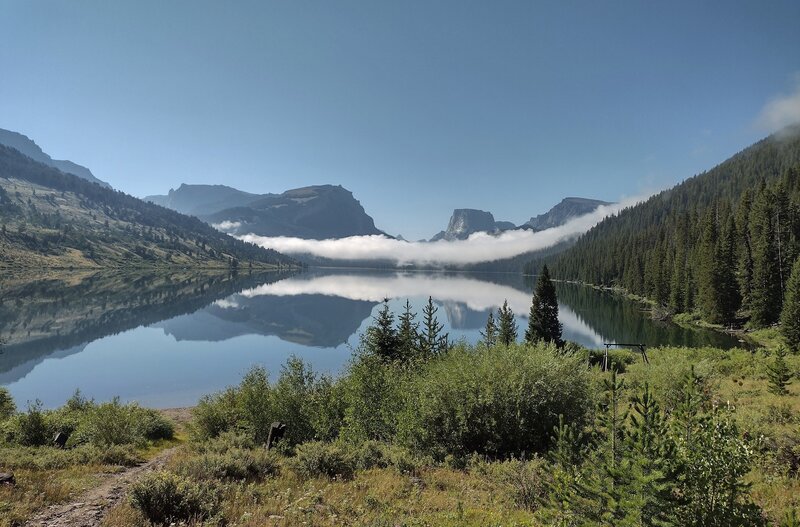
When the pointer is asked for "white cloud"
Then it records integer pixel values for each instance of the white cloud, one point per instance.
(480, 247)
(227, 225)
(782, 111)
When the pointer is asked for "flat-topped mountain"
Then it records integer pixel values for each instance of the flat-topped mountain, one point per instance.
(27, 146)
(315, 212)
(464, 222)
(563, 212)
(52, 219)
(202, 200)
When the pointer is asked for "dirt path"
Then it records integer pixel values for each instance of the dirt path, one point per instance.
(88, 509)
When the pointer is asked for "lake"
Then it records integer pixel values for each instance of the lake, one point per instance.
(165, 339)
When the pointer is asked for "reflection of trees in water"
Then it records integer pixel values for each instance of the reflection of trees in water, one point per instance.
(621, 320)
(39, 317)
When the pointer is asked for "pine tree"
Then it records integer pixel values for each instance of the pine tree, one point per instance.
(765, 302)
(489, 334)
(407, 333)
(543, 324)
(507, 330)
(778, 374)
(381, 336)
(432, 341)
(744, 269)
(790, 317)
(730, 299)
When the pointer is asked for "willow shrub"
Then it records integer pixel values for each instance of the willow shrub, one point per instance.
(502, 402)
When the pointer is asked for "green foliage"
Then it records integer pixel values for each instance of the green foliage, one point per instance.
(7, 406)
(543, 324)
(500, 403)
(790, 316)
(113, 423)
(165, 498)
(408, 333)
(381, 337)
(779, 374)
(507, 326)
(231, 465)
(432, 341)
(489, 334)
(28, 428)
(330, 460)
(48, 458)
(373, 395)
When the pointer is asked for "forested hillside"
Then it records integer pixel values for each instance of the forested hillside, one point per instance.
(52, 219)
(721, 243)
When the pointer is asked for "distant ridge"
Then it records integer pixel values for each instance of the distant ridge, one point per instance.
(314, 212)
(28, 147)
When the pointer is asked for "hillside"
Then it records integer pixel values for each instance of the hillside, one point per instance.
(52, 219)
(721, 243)
(28, 147)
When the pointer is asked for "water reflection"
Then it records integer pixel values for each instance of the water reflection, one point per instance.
(166, 338)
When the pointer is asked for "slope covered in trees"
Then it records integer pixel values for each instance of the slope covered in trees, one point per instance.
(52, 219)
(721, 243)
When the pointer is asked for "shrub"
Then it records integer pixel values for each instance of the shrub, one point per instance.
(46, 458)
(215, 414)
(374, 396)
(501, 403)
(28, 428)
(317, 459)
(117, 424)
(234, 464)
(164, 498)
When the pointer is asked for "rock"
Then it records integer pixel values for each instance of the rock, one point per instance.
(60, 439)
(7, 479)
(276, 432)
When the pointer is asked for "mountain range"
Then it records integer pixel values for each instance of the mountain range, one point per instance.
(465, 222)
(49, 218)
(28, 147)
(314, 212)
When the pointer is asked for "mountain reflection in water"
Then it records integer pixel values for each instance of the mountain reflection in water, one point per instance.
(167, 338)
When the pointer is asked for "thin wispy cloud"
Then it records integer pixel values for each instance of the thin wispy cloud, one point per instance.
(480, 247)
(782, 111)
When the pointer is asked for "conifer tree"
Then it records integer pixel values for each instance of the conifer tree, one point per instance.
(744, 268)
(381, 336)
(790, 317)
(432, 341)
(489, 334)
(730, 299)
(507, 330)
(407, 333)
(778, 373)
(709, 300)
(543, 324)
(765, 302)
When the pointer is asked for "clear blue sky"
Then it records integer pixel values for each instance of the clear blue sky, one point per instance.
(418, 107)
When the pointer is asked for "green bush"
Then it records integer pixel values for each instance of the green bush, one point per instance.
(373, 393)
(215, 414)
(165, 498)
(28, 428)
(317, 459)
(47, 458)
(117, 424)
(234, 464)
(500, 403)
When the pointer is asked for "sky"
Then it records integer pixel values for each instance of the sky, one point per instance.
(417, 107)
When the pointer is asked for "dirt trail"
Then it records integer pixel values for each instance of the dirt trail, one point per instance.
(88, 509)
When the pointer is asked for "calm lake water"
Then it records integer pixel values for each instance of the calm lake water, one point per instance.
(166, 339)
